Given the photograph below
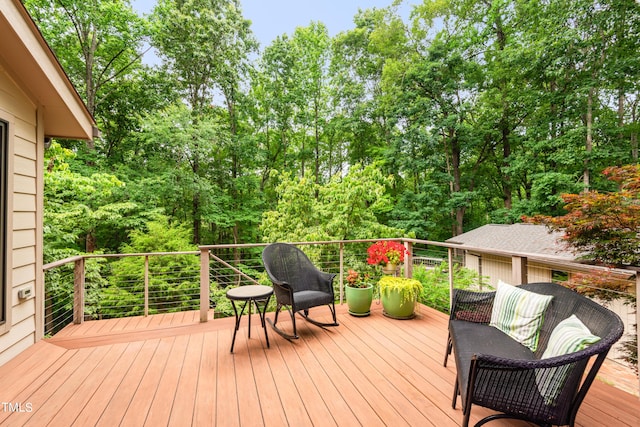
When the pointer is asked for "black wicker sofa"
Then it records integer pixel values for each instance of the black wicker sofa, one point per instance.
(518, 380)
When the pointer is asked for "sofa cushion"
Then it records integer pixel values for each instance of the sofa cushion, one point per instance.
(471, 339)
(519, 313)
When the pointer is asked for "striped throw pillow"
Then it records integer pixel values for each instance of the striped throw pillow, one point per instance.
(569, 336)
(519, 313)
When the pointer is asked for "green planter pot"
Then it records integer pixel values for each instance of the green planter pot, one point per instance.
(398, 296)
(359, 300)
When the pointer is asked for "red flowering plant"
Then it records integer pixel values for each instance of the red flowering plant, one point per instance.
(357, 280)
(385, 252)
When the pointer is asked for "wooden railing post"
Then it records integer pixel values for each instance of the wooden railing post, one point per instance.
(408, 260)
(637, 315)
(204, 284)
(146, 285)
(78, 291)
(450, 260)
(341, 272)
(519, 267)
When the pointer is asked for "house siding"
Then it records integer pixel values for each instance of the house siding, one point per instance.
(497, 268)
(24, 249)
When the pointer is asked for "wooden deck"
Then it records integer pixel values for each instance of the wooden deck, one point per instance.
(173, 370)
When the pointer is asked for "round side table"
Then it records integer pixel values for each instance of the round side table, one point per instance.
(250, 294)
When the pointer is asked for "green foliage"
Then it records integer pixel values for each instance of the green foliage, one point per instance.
(79, 208)
(435, 284)
(174, 280)
(222, 304)
(99, 45)
(343, 209)
(459, 116)
(409, 289)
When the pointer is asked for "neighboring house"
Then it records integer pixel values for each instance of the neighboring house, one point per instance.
(547, 260)
(37, 102)
(483, 245)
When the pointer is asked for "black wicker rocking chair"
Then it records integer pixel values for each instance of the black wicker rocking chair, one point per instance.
(298, 285)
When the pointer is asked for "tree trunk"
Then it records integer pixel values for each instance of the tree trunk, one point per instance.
(90, 242)
(634, 133)
(589, 141)
(196, 219)
(457, 182)
(507, 192)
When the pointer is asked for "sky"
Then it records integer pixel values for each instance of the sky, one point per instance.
(271, 18)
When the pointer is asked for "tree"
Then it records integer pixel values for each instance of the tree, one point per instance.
(362, 119)
(605, 227)
(438, 94)
(79, 208)
(205, 44)
(344, 209)
(311, 46)
(98, 43)
(182, 157)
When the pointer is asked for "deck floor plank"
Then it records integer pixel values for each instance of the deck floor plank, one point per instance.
(29, 384)
(227, 409)
(124, 393)
(356, 401)
(266, 385)
(67, 415)
(206, 395)
(291, 401)
(183, 407)
(64, 385)
(250, 410)
(367, 381)
(174, 370)
(390, 382)
(91, 412)
(166, 394)
(302, 376)
(142, 400)
(395, 361)
(320, 366)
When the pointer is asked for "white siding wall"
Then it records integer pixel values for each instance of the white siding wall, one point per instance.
(538, 273)
(20, 113)
(499, 268)
(496, 268)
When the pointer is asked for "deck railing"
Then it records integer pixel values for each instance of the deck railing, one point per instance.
(97, 286)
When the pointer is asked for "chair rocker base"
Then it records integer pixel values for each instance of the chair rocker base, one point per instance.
(282, 333)
(306, 317)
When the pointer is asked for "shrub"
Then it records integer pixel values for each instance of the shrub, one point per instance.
(435, 284)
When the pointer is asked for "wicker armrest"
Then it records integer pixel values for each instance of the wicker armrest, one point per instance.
(472, 306)
(542, 387)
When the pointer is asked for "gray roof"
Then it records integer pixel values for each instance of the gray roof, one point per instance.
(523, 238)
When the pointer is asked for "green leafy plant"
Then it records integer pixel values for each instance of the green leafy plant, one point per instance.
(356, 280)
(435, 283)
(409, 289)
(222, 304)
